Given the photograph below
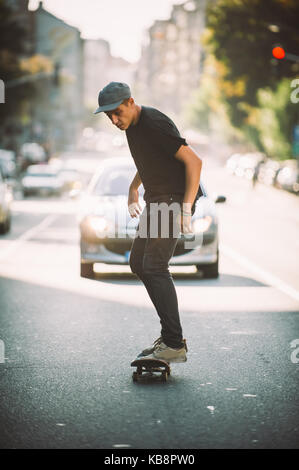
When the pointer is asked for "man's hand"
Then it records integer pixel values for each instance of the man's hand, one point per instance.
(186, 215)
(186, 223)
(133, 204)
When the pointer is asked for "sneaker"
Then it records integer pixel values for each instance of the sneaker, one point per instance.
(168, 354)
(148, 351)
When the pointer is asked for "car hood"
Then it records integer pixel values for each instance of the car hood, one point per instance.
(116, 208)
(110, 207)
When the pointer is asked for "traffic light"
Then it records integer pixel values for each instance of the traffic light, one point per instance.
(278, 61)
(278, 52)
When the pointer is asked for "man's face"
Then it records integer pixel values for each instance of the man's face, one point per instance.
(122, 116)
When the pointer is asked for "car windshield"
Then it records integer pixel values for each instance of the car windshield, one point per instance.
(115, 182)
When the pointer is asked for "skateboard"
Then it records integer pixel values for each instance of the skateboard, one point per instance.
(150, 368)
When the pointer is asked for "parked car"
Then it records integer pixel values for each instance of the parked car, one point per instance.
(232, 162)
(268, 171)
(31, 153)
(108, 239)
(5, 204)
(8, 163)
(288, 176)
(42, 179)
(247, 163)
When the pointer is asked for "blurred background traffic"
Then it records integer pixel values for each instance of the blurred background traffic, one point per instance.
(224, 70)
(227, 73)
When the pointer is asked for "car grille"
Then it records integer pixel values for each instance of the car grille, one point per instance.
(126, 245)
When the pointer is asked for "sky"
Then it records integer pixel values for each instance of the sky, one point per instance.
(121, 22)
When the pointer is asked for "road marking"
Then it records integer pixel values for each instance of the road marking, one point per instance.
(15, 244)
(121, 446)
(269, 278)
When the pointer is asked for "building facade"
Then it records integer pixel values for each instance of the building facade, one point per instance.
(100, 68)
(171, 61)
(58, 108)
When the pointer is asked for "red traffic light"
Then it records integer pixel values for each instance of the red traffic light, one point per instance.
(278, 52)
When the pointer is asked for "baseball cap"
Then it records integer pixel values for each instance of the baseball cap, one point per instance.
(112, 95)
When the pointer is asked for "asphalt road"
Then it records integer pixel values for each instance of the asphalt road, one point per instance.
(65, 375)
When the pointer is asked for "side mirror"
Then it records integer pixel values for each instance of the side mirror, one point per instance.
(220, 199)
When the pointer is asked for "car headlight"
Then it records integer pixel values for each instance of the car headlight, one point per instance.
(98, 224)
(76, 184)
(202, 224)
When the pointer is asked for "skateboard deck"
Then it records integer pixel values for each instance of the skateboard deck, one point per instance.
(150, 368)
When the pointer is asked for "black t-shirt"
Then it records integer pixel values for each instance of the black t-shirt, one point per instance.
(153, 141)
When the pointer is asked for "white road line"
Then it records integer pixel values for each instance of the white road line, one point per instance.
(269, 278)
(15, 244)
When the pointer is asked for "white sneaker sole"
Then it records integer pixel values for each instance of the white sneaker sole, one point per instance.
(174, 360)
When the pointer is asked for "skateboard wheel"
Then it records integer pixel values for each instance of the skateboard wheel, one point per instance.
(164, 376)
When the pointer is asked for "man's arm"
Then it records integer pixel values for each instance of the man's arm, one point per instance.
(133, 197)
(193, 165)
(136, 182)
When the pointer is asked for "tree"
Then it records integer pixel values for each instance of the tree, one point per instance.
(207, 109)
(243, 87)
(242, 34)
(11, 43)
(12, 40)
(274, 119)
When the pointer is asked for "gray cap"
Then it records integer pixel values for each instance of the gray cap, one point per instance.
(112, 95)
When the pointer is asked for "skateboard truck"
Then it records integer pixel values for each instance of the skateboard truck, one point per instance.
(150, 368)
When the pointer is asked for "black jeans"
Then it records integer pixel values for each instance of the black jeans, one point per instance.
(149, 259)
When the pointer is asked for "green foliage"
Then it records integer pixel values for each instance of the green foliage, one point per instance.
(199, 113)
(275, 119)
(243, 34)
(11, 43)
(12, 39)
(208, 110)
(249, 90)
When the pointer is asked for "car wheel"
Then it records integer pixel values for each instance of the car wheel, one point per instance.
(210, 271)
(87, 270)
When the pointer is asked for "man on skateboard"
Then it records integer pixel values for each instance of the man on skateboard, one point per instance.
(170, 172)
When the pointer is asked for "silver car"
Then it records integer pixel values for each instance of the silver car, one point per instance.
(107, 230)
(43, 179)
(288, 176)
